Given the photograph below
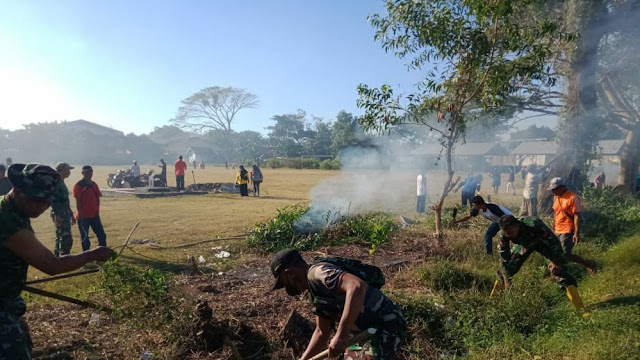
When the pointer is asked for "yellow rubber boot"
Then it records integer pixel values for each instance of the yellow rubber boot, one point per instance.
(576, 300)
(496, 287)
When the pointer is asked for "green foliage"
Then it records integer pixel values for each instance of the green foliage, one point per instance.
(289, 230)
(330, 164)
(448, 276)
(278, 233)
(142, 296)
(609, 215)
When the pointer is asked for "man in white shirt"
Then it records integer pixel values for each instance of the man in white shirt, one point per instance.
(530, 193)
(491, 212)
(135, 169)
(422, 192)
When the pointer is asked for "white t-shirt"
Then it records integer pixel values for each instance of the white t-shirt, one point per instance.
(422, 185)
(531, 182)
(493, 212)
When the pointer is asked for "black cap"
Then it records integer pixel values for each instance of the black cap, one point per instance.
(87, 168)
(282, 260)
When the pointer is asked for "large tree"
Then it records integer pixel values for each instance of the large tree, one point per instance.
(477, 53)
(289, 134)
(213, 108)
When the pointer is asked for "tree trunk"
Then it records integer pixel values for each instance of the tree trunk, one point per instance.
(630, 160)
(579, 130)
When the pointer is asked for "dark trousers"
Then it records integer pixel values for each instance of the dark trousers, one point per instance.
(96, 226)
(467, 196)
(492, 231)
(256, 188)
(180, 182)
(420, 205)
(244, 190)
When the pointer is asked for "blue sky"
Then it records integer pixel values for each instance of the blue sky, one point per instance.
(128, 64)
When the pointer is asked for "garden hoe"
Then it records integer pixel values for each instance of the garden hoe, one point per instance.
(362, 336)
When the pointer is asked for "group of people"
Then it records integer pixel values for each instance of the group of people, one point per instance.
(243, 178)
(345, 293)
(34, 188)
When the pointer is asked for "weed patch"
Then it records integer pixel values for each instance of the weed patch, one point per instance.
(447, 276)
(289, 230)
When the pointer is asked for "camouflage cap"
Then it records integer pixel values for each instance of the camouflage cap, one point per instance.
(34, 180)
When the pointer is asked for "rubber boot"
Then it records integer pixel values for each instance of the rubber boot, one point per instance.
(576, 300)
(496, 287)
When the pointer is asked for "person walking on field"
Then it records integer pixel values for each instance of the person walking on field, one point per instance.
(511, 178)
(567, 208)
(491, 212)
(495, 183)
(342, 297)
(87, 195)
(242, 178)
(180, 167)
(256, 179)
(33, 190)
(421, 187)
(61, 213)
(531, 234)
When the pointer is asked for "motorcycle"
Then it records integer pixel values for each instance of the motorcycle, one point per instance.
(123, 178)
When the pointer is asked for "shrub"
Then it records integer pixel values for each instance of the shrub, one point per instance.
(142, 296)
(609, 215)
(292, 229)
(447, 276)
(330, 164)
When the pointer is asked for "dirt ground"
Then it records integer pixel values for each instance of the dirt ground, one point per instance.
(253, 317)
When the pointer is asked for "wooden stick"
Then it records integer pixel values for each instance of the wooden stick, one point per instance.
(232, 346)
(126, 241)
(67, 299)
(160, 247)
(64, 276)
(362, 336)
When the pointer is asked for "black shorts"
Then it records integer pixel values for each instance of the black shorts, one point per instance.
(566, 240)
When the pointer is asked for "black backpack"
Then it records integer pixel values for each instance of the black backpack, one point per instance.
(370, 274)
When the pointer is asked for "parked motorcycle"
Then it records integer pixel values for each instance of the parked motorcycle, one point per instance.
(123, 178)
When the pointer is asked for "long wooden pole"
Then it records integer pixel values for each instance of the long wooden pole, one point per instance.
(67, 299)
(64, 276)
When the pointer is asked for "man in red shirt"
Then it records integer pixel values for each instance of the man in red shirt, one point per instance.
(567, 207)
(87, 196)
(180, 166)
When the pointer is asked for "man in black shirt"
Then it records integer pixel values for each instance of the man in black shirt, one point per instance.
(491, 212)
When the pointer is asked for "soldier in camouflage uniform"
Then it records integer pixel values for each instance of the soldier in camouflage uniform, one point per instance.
(329, 286)
(531, 234)
(61, 213)
(32, 193)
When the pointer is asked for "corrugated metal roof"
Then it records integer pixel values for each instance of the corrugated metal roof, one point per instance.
(611, 147)
(535, 148)
(468, 149)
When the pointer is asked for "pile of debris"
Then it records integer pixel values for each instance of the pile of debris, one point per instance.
(215, 188)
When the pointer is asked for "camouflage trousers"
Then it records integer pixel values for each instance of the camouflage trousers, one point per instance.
(64, 240)
(553, 253)
(387, 341)
(15, 342)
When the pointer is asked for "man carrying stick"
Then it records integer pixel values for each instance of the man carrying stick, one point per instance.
(33, 190)
(341, 297)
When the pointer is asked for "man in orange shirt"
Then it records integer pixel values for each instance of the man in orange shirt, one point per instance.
(567, 207)
(180, 166)
(87, 196)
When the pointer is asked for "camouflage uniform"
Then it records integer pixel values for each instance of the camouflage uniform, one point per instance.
(37, 182)
(60, 208)
(533, 235)
(15, 342)
(379, 312)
